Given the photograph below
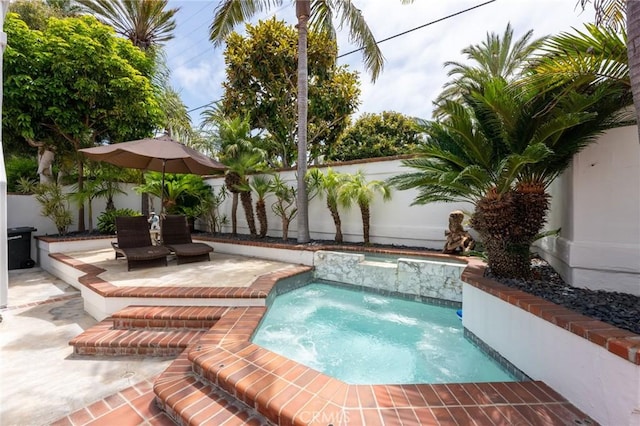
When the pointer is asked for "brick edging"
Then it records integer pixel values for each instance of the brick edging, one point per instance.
(622, 343)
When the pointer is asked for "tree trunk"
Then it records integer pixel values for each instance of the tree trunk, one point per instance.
(285, 228)
(336, 221)
(81, 226)
(508, 225)
(234, 214)
(261, 211)
(247, 206)
(366, 218)
(633, 53)
(302, 13)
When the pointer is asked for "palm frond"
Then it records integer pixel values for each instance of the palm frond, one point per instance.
(361, 35)
(230, 13)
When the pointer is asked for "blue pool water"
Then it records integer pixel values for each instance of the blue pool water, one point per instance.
(366, 338)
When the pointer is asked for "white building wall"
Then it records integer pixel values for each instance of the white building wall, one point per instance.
(596, 202)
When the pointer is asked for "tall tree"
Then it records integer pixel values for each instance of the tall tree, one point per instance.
(147, 23)
(260, 83)
(497, 56)
(75, 84)
(376, 135)
(230, 13)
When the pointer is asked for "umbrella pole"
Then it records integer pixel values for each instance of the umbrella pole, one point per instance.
(164, 163)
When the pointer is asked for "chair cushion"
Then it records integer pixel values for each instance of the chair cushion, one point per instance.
(145, 253)
(190, 249)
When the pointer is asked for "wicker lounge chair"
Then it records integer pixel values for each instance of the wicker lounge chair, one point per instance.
(177, 238)
(134, 243)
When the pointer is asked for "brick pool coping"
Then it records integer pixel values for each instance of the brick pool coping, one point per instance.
(289, 393)
(622, 343)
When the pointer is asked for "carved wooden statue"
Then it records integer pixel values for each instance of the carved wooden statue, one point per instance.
(457, 238)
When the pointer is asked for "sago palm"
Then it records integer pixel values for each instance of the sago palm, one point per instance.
(357, 189)
(320, 15)
(500, 150)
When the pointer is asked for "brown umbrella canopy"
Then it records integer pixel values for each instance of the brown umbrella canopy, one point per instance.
(161, 154)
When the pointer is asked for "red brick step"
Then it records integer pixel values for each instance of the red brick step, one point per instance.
(148, 330)
(193, 317)
(185, 399)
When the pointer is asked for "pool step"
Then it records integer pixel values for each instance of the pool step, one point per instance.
(165, 317)
(187, 400)
(147, 330)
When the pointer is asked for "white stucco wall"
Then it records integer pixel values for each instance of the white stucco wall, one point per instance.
(603, 385)
(596, 202)
(392, 222)
(24, 210)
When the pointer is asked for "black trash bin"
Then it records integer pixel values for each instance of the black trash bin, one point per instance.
(19, 242)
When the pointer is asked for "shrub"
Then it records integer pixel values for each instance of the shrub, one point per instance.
(20, 168)
(107, 219)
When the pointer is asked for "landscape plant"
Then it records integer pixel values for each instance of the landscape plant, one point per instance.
(107, 219)
(54, 204)
(210, 212)
(285, 205)
(356, 189)
(329, 185)
(262, 187)
(500, 149)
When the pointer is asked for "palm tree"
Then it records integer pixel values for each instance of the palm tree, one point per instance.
(581, 58)
(329, 185)
(230, 13)
(495, 57)
(238, 153)
(501, 149)
(145, 22)
(614, 13)
(356, 188)
(262, 186)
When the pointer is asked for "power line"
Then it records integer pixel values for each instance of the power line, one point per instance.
(207, 50)
(381, 41)
(421, 26)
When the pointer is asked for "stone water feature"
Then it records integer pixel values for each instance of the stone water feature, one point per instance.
(428, 277)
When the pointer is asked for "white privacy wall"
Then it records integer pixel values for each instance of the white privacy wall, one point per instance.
(392, 222)
(596, 202)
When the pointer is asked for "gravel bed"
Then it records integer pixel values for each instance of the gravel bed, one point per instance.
(619, 309)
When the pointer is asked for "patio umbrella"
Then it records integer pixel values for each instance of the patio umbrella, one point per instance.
(161, 154)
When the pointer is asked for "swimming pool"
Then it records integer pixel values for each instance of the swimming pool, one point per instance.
(366, 338)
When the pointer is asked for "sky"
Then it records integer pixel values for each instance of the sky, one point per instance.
(413, 73)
